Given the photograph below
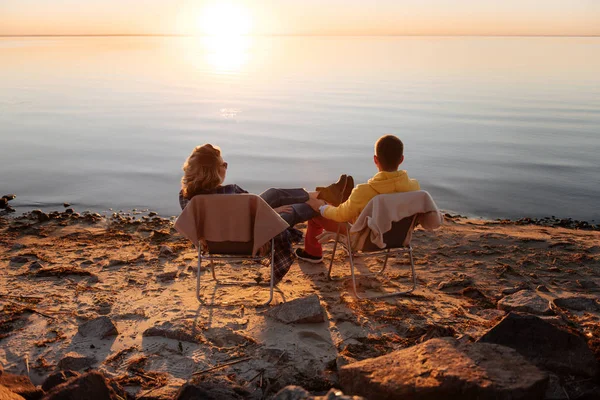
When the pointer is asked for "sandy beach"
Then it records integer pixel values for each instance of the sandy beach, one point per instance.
(137, 271)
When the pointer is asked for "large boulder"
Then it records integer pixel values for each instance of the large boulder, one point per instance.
(577, 303)
(446, 369)
(525, 301)
(21, 385)
(303, 310)
(546, 345)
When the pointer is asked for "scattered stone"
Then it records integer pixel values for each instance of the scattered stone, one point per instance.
(69, 211)
(212, 388)
(6, 394)
(461, 280)
(152, 214)
(587, 284)
(66, 205)
(225, 337)
(476, 371)
(9, 197)
(165, 251)
(90, 386)
(19, 260)
(546, 345)
(36, 265)
(3, 203)
(167, 392)
(58, 378)
(116, 262)
(21, 385)
(18, 246)
(40, 215)
(518, 288)
(542, 288)
(169, 330)
(578, 303)
(100, 327)
(167, 276)
(76, 362)
(525, 301)
(292, 393)
(299, 311)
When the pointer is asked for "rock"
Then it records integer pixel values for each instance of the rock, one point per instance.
(342, 360)
(299, 311)
(292, 393)
(76, 362)
(3, 203)
(21, 385)
(36, 265)
(69, 211)
(577, 303)
(546, 345)
(19, 260)
(217, 388)
(446, 369)
(518, 288)
(167, 392)
(176, 332)
(100, 327)
(165, 251)
(90, 386)
(542, 288)
(224, 337)
(525, 301)
(461, 280)
(18, 246)
(152, 214)
(6, 394)
(58, 378)
(1, 369)
(587, 284)
(66, 205)
(9, 197)
(167, 276)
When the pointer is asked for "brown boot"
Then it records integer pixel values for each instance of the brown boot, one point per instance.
(337, 193)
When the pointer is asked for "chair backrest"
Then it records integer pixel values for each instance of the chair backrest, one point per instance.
(230, 223)
(389, 219)
(399, 236)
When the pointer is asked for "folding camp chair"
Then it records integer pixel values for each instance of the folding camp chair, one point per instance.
(396, 240)
(230, 228)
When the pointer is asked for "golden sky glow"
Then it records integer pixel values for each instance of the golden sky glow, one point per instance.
(315, 17)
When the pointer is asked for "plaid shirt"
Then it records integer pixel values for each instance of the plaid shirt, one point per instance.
(284, 254)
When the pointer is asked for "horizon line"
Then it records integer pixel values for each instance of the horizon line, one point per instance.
(291, 34)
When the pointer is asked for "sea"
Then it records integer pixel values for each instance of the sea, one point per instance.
(493, 127)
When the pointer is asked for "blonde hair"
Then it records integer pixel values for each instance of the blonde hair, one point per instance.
(201, 170)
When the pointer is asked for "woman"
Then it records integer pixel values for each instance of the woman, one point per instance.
(204, 172)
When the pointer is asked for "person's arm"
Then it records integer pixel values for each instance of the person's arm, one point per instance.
(347, 211)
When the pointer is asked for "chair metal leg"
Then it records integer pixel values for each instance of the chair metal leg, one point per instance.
(337, 237)
(198, 274)
(272, 271)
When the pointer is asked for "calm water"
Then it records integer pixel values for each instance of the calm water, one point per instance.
(493, 127)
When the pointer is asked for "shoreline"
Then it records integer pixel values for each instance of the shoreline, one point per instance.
(139, 273)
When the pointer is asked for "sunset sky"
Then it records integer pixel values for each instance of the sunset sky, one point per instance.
(316, 17)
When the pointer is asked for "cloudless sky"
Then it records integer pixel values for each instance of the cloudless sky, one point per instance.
(343, 17)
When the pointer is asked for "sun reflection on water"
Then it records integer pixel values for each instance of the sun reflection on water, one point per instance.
(226, 54)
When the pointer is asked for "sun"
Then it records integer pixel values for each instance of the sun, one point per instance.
(225, 19)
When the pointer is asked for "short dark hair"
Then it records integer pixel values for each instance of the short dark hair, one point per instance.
(389, 151)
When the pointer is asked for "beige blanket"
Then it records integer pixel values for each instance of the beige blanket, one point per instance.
(230, 217)
(377, 217)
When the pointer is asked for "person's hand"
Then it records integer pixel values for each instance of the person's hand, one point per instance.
(315, 203)
(283, 209)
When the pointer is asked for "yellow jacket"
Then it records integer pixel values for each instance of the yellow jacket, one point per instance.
(383, 182)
